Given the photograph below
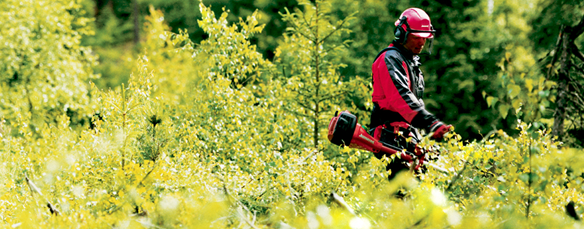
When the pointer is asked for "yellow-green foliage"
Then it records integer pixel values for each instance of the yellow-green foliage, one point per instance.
(511, 181)
(309, 60)
(185, 144)
(44, 69)
(525, 91)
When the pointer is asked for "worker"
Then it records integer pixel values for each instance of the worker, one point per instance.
(398, 88)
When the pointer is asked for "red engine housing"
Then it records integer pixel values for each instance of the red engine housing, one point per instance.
(344, 130)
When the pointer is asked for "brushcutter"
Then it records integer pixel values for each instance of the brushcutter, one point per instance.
(343, 130)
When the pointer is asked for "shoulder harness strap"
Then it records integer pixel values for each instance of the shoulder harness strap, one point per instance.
(382, 51)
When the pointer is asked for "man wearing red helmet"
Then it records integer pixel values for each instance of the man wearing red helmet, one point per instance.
(398, 84)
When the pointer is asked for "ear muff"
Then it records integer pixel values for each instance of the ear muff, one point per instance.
(400, 34)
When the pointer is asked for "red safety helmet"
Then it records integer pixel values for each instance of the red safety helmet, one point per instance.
(416, 22)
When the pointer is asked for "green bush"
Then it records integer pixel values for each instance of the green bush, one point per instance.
(44, 69)
(185, 145)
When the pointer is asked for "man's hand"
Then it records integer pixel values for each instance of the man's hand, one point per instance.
(440, 129)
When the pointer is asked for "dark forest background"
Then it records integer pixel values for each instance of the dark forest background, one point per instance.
(483, 53)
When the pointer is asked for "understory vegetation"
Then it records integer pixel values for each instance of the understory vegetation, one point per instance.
(214, 135)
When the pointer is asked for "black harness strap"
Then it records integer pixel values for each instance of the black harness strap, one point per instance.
(382, 51)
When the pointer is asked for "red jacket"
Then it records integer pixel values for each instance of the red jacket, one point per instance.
(398, 89)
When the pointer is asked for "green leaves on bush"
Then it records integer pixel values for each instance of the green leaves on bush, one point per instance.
(44, 69)
(194, 140)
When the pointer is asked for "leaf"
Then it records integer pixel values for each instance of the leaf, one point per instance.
(503, 110)
(491, 101)
(466, 84)
(516, 104)
(514, 91)
(529, 84)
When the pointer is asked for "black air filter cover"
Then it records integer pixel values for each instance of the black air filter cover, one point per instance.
(344, 129)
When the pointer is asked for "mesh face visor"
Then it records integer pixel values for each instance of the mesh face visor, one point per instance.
(429, 45)
(428, 34)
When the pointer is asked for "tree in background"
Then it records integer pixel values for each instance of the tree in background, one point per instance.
(518, 89)
(183, 14)
(113, 41)
(558, 34)
(309, 59)
(116, 28)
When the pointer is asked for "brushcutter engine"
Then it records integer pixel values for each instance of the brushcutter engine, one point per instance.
(343, 130)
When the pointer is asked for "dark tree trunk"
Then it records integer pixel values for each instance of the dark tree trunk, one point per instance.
(564, 52)
(136, 15)
(563, 79)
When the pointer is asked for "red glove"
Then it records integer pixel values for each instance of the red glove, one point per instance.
(440, 129)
